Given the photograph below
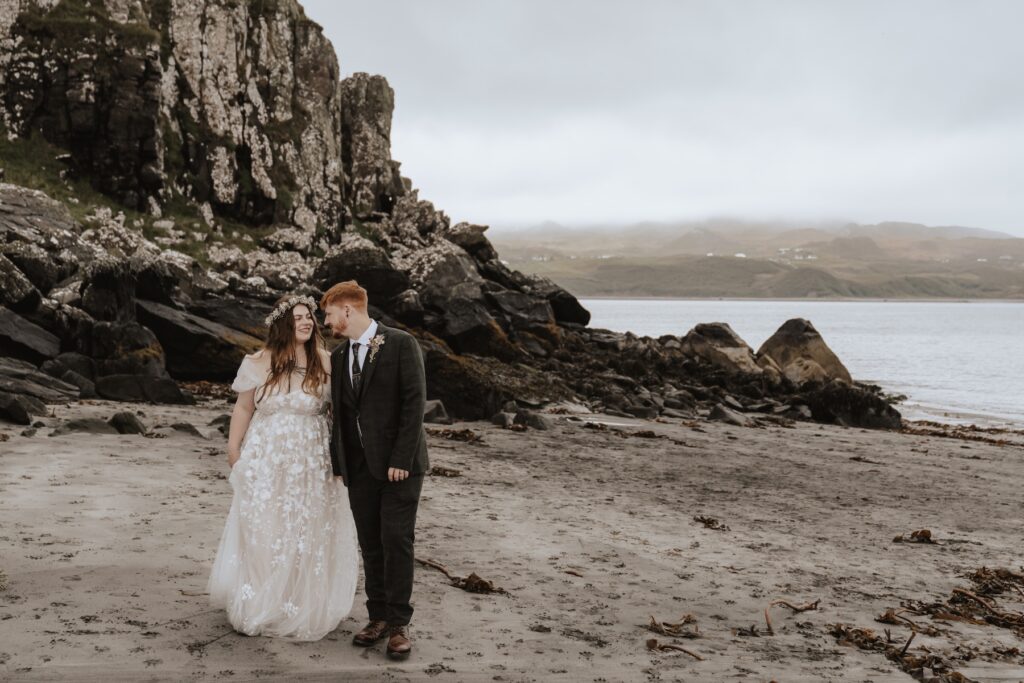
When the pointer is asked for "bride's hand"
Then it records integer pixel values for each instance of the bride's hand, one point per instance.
(233, 457)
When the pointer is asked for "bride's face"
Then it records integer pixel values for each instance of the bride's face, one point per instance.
(304, 324)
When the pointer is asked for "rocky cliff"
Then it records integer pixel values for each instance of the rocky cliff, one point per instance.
(202, 157)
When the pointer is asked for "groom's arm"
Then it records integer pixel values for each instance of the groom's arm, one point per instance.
(412, 394)
(336, 458)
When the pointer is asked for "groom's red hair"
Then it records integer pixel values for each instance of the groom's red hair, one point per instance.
(348, 292)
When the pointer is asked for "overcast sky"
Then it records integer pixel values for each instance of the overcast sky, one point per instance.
(598, 111)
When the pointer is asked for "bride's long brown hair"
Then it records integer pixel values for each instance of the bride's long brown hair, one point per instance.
(281, 345)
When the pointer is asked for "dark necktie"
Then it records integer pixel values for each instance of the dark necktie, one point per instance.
(357, 372)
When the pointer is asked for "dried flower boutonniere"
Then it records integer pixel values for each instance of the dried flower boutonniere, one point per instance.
(375, 344)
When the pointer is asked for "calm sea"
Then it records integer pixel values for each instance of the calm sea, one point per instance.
(955, 361)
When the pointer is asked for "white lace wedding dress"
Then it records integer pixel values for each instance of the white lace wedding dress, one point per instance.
(288, 559)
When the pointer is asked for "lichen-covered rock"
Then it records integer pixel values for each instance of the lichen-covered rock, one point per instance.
(372, 179)
(441, 272)
(288, 239)
(471, 238)
(109, 236)
(16, 292)
(43, 269)
(284, 270)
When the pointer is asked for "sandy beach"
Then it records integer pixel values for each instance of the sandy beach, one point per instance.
(106, 542)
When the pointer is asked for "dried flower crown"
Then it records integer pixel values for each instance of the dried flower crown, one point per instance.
(288, 305)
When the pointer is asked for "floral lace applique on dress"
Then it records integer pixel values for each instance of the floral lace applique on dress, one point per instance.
(288, 559)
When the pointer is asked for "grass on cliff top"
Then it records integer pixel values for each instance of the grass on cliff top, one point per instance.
(33, 162)
(72, 21)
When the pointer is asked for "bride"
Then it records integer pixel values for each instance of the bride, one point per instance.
(287, 561)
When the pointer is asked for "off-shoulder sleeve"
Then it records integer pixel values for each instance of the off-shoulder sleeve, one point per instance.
(249, 376)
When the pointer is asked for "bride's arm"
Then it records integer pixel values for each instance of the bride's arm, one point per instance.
(245, 406)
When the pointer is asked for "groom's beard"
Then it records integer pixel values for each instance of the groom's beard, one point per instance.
(337, 331)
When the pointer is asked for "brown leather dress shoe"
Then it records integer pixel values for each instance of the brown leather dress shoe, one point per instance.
(370, 634)
(399, 645)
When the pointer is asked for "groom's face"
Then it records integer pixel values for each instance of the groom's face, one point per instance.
(336, 318)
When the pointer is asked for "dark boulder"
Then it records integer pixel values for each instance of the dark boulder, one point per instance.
(77, 362)
(86, 387)
(721, 413)
(521, 309)
(19, 377)
(852, 405)
(188, 429)
(142, 388)
(71, 325)
(124, 348)
(19, 408)
(566, 307)
(407, 308)
(503, 419)
(465, 385)
(127, 422)
(108, 290)
(243, 314)
(196, 348)
(84, 425)
(469, 328)
(23, 339)
(534, 420)
(357, 258)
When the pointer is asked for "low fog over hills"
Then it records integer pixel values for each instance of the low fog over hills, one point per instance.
(728, 258)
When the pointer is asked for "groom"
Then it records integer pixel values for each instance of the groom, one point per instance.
(379, 449)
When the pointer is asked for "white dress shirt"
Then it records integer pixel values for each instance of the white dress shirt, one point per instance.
(364, 347)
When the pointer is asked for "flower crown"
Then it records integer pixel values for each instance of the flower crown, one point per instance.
(288, 305)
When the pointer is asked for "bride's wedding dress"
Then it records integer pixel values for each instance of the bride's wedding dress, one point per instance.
(288, 559)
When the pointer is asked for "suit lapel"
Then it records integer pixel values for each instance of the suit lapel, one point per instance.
(346, 381)
(371, 361)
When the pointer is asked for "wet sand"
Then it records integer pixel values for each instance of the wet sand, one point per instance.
(106, 542)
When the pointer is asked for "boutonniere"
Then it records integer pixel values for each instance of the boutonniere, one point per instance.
(375, 344)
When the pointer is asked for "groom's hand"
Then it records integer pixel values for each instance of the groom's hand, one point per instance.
(395, 474)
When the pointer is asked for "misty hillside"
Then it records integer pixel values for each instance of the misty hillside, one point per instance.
(777, 260)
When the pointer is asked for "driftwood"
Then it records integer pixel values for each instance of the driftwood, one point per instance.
(653, 644)
(471, 584)
(785, 603)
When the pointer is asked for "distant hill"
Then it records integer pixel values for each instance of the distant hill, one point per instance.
(737, 259)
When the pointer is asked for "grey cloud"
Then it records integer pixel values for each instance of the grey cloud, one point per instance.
(517, 112)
